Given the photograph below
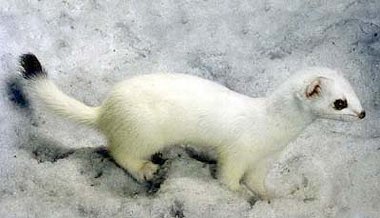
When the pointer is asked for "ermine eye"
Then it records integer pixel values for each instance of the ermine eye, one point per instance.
(340, 104)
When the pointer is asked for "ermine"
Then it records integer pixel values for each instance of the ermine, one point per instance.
(148, 113)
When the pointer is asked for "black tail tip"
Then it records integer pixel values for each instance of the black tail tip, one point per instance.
(32, 68)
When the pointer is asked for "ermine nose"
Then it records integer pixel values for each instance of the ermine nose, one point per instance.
(361, 115)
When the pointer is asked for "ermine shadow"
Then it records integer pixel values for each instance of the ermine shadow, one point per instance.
(101, 170)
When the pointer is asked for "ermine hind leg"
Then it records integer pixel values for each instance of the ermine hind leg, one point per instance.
(141, 169)
(230, 174)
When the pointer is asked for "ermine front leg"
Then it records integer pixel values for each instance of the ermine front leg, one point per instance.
(255, 178)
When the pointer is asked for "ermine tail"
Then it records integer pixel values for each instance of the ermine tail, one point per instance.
(55, 100)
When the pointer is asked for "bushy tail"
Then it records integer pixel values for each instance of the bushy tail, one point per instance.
(54, 99)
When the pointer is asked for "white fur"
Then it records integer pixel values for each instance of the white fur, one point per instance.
(147, 113)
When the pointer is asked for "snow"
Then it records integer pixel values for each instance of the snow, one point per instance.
(53, 168)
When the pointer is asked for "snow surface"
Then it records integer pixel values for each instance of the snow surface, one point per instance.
(53, 168)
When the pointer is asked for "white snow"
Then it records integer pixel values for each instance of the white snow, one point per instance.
(49, 167)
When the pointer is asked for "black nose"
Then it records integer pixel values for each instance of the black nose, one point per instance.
(362, 115)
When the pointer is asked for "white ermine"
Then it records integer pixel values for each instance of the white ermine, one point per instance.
(147, 113)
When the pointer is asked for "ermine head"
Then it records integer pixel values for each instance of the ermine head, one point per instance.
(327, 94)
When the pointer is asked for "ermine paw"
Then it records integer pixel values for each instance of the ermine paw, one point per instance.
(147, 171)
(253, 198)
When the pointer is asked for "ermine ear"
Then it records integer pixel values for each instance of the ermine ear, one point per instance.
(314, 89)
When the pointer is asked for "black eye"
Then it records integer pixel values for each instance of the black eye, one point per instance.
(340, 104)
